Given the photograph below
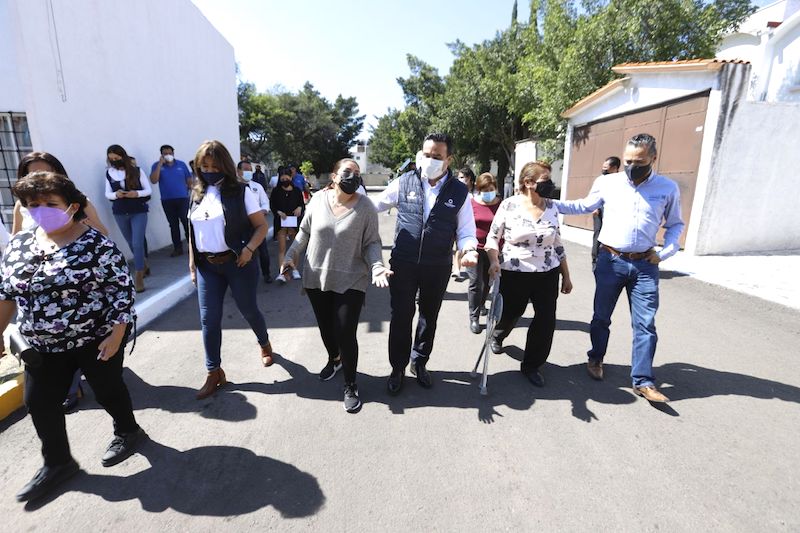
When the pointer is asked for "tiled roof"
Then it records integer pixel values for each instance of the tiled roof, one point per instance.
(684, 64)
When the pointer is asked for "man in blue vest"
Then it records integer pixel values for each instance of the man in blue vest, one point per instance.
(433, 212)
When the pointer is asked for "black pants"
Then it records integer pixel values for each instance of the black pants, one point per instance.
(177, 211)
(263, 259)
(478, 285)
(337, 318)
(597, 222)
(541, 289)
(408, 279)
(47, 385)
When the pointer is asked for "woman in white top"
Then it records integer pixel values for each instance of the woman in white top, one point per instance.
(533, 257)
(227, 226)
(128, 189)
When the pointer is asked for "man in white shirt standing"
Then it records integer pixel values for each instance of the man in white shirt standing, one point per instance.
(245, 171)
(433, 212)
(636, 203)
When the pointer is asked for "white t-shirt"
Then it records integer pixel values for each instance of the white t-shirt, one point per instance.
(208, 220)
(258, 191)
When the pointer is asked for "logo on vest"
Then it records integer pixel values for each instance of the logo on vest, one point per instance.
(412, 195)
(450, 203)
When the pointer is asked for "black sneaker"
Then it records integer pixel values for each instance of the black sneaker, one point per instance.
(330, 370)
(45, 479)
(352, 403)
(122, 447)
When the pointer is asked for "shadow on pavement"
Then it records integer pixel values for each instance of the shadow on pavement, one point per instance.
(206, 481)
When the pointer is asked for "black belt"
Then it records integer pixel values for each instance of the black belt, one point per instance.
(218, 259)
(627, 255)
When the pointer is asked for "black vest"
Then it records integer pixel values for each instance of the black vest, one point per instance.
(238, 228)
(428, 242)
(127, 206)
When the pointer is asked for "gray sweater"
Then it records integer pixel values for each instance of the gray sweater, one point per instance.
(340, 253)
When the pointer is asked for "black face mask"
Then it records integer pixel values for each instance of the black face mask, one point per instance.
(349, 182)
(119, 163)
(545, 188)
(636, 173)
(286, 183)
(606, 171)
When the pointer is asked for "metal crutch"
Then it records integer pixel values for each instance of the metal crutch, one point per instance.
(495, 311)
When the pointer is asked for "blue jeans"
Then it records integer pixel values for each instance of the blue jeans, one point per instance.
(639, 278)
(133, 227)
(212, 282)
(177, 212)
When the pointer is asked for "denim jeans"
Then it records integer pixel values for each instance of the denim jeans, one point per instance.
(212, 282)
(133, 227)
(639, 278)
(177, 212)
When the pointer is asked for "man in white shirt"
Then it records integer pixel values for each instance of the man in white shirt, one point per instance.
(245, 172)
(433, 212)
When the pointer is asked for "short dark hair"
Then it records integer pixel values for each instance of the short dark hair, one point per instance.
(613, 161)
(45, 157)
(166, 147)
(38, 184)
(240, 164)
(441, 138)
(468, 173)
(644, 140)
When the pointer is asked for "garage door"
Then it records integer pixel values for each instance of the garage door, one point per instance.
(678, 128)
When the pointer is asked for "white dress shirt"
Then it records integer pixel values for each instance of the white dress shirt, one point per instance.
(465, 233)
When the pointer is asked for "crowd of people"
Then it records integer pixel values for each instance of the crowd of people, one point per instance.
(72, 291)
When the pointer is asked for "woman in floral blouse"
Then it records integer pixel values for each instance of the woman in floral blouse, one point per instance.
(75, 299)
(533, 256)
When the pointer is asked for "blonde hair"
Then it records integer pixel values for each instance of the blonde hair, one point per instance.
(534, 169)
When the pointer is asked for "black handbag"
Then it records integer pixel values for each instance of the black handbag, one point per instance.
(23, 351)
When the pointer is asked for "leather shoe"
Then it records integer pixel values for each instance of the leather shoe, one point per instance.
(595, 369)
(497, 346)
(45, 479)
(474, 326)
(122, 446)
(214, 380)
(535, 377)
(395, 382)
(423, 376)
(266, 354)
(650, 393)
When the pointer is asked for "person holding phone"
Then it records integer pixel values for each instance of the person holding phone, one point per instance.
(74, 294)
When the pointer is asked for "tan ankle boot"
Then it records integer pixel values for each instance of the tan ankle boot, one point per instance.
(266, 354)
(214, 380)
(138, 281)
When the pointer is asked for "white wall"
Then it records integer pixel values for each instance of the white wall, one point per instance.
(140, 74)
(784, 72)
(751, 198)
(12, 95)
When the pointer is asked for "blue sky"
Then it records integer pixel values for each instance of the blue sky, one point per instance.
(354, 48)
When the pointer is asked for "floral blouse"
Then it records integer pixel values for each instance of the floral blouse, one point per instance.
(530, 245)
(71, 297)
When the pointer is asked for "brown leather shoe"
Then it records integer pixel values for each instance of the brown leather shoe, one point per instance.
(138, 281)
(595, 369)
(650, 393)
(266, 354)
(214, 380)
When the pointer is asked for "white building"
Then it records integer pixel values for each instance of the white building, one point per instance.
(79, 75)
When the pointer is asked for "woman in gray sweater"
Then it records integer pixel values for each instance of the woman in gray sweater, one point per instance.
(339, 235)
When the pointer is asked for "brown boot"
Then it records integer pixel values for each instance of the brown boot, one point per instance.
(214, 380)
(651, 394)
(266, 354)
(138, 282)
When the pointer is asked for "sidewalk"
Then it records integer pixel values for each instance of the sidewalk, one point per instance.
(772, 277)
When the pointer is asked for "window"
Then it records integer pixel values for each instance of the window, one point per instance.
(15, 142)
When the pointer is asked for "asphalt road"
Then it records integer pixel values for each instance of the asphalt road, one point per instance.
(275, 449)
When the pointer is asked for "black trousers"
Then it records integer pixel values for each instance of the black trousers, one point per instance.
(541, 289)
(478, 285)
(430, 281)
(46, 387)
(177, 212)
(263, 258)
(337, 318)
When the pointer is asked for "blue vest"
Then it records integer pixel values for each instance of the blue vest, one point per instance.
(427, 242)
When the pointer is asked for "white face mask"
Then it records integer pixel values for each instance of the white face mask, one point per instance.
(247, 175)
(169, 158)
(430, 168)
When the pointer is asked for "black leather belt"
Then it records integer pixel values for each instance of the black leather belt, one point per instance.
(627, 255)
(218, 259)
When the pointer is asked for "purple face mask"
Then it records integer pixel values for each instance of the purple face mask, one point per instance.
(50, 218)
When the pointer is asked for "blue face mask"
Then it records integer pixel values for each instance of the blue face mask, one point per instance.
(488, 196)
(213, 178)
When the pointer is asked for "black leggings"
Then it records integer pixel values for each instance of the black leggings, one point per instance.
(541, 289)
(337, 318)
(47, 385)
